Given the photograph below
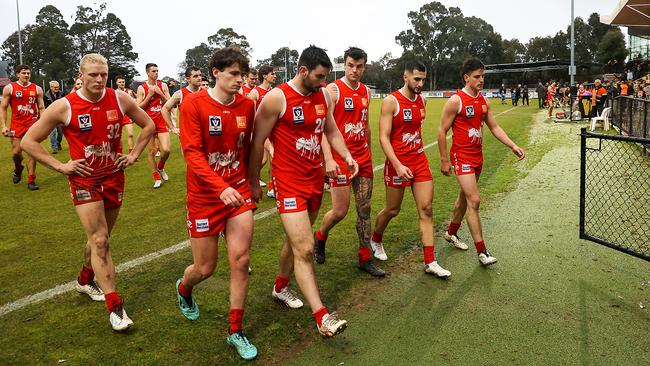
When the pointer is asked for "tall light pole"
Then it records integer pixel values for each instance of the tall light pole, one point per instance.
(572, 70)
(20, 41)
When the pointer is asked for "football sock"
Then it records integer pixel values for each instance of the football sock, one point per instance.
(365, 254)
(112, 301)
(236, 319)
(280, 283)
(429, 255)
(319, 314)
(320, 236)
(377, 238)
(86, 275)
(480, 246)
(453, 228)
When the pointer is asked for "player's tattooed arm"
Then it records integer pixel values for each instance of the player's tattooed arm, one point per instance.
(362, 187)
(501, 135)
(332, 169)
(449, 112)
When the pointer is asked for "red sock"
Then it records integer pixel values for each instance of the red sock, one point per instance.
(184, 291)
(320, 236)
(31, 178)
(236, 318)
(319, 314)
(112, 301)
(86, 275)
(364, 254)
(453, 228)
(280, 283)
(480, 246)
(429, 255)
(161, 165)
(377, 238)
(156, 176)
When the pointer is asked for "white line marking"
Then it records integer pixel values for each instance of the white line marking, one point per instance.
(66, 287)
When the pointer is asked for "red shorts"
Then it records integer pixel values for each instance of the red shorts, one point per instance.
(161, 125)
(420, 170)
(18, 130)
(343, 180)
(291, 197)
(464, 165)
(109, 189)
(126, 121)
(208, 217)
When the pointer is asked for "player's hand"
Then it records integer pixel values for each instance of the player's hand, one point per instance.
(157, 90)
(332, 169)
(445, 167)
(403, 172)
(231, 197)
(519, 152)
(124, 160)
(353, 166)
(5, 131)
(256, 190)
(175, 130)
(152, 91)
(78, 167)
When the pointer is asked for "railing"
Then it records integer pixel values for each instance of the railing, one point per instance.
(631, 116)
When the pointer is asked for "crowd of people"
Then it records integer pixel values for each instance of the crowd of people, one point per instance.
(308, 130)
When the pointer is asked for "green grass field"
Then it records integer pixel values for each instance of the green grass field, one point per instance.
(42, 243)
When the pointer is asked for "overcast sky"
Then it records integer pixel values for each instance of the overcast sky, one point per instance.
(161, 31)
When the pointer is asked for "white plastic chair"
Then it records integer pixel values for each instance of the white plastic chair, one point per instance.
(604, 117)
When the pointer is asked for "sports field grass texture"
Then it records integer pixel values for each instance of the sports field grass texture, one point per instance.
(42, 247)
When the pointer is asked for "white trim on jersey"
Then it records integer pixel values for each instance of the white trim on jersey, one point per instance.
(284, 104)
(290, 83)
(349, 86)
(326, 95)
(118, 101)
(88, 100)
(412, 100)
(338, 93)
(396, 102)
(460, 103)
(180, 96)
(68, 117)
(219, 101)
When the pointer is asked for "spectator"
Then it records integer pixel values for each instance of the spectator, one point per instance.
(599, 97)
(524, 95)
(502, 92)
(623, 89)
(585, 94)
(517, 94)
(56, 136)
(541, 94)
(512, 96)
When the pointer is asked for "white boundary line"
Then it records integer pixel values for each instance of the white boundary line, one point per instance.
(67, 287)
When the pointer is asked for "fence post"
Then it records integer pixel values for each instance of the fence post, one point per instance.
(645, 120)
(631, 107)
(583, 164)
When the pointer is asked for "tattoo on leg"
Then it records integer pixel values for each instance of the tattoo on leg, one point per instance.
(362, 187)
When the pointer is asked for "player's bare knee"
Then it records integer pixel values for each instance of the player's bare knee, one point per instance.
(100, 244)
(474, 201)
(205, 270)
(305, 254)
(338, 214)
(392, 212)
(426, 212)
(242, 260)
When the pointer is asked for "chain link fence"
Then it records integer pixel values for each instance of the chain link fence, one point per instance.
(630, 116)
(615, 192)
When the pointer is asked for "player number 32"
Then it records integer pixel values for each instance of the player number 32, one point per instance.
(113, 131)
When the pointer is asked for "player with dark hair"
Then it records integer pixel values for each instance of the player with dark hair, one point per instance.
(193, 77)
(91, 119)
(465, 113)
(120, 81)
(400, 134)
(296, 115)
(250, 82)
(267, 74)
(26, 101)
(151, 96)
(217, 124)
(350, 101)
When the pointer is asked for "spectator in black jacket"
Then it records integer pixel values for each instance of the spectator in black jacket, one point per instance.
(524, 95)
(541, 94)
(56, 136)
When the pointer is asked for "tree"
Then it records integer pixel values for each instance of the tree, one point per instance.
(198, 56)
(114, 43)
(612, 46)
(86, 28)
(539, 48)
(513, 51)
(227, 37)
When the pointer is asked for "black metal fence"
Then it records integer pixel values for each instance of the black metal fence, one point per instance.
(615, 192)
(630, 116)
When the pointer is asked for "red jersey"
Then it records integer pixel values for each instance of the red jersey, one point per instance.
(467, 127)
(126, 120)
(351, 116)
(24, 108)
(93, 132)
(406, 133)
(246, 89)
(297, 135)
(184, 93)
(216, 142)
(261, 92)
(155, 103)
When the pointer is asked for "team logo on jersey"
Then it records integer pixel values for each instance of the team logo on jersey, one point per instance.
(202, 225)
(408, 115)
(348, 104)
(364, 102)
(112, 115)
(469, 111)
(484, 108)
(320, 109)
(19, 94)
(423, 112)
(298, 116)
(85, 123)
(241, 121)
(214, 128)
(32, 93)
(290, 203)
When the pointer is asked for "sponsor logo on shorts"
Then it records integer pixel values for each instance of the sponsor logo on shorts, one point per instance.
(408, 115)
(82, 195)
(120, 195)
(85, 123)
(466, 168)
(469, 111)
(19, 94)
(397, 180)
(241, 121)
(320, 109)
(112, 115)
(290, 203)
(214, 127)
(348, 104)
(298, 116)
(202, 225)
(341, 179)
